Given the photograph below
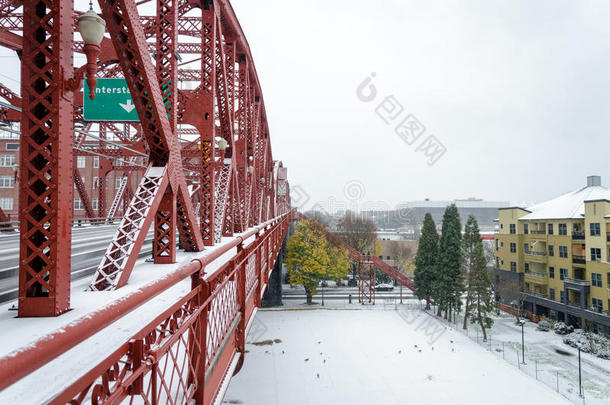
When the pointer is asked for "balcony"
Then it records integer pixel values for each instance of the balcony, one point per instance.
(539, 257)
(578, 235)
(535, 274)
(529, 252)
(538, 232)
(577, 281)
(579, 259)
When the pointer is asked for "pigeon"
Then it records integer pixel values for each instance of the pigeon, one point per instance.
(419, 350)
(318, 375)
(451, 341)
(267, 351)
(452, 349)
(415, 346)
(282, 352)
(324, 360)
(400, 351)
(307, 359)
(319, 341)
(320, 353)
(432, 347)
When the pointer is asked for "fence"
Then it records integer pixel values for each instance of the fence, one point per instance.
(537, 365)
(184, 354)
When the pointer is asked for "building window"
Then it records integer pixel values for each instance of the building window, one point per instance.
(550, 229)
(595, 230)
(525, 228)
(597, 304)
(96, 181)
(513, 267)
(513, 228)
(596, 279)
(8, 160)
(12, 146)
(562, 296)
(6, 203)
(551, 250)
(497, 244)
(526, 247)
(513, 247)
(94, 204)
(81, 162)
(7, 181)
(96, 162)
(527, 267)
(563, 273)
(78, 204)
(563, 251)
(117, 182)
(552, 293)
(551, 272)
(563, 229)
(596, 254)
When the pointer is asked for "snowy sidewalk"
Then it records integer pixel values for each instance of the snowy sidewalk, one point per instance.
(372, 357)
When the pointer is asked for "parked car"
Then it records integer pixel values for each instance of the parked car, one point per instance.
(384, 287)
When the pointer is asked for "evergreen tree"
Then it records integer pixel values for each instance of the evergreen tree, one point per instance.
(479, 285)
(469, 240)
(426, 260)
(449, 272)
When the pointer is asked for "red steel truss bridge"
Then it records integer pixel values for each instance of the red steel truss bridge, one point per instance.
(208, 184)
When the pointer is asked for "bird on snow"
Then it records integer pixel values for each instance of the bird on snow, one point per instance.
(432, 347)
(451, 341)
(419, 350)
(452, 349)
(319, 341)
(324, 360)
(400, 351)
(307, 359)
(415, 346)
(318, 375)
(282, 352)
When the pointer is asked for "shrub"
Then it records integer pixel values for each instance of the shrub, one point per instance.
(544, 326)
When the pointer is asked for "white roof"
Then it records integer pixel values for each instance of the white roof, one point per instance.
(569, 205)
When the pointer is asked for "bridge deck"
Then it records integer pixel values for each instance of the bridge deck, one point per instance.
(21, 332)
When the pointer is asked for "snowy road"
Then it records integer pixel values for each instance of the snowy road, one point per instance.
(305, 356)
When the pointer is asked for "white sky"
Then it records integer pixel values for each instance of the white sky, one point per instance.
(515, 90)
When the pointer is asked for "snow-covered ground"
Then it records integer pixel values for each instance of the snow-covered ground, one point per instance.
(543, 358)
(301, 355)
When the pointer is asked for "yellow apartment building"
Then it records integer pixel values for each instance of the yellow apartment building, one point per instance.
(558, 254)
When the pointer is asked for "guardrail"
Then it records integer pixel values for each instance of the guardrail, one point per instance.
(186, 352)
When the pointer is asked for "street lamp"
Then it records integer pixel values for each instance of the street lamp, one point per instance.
(91, 27)
(522, 322)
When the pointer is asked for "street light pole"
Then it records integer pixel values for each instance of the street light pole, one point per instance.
(579, 376)
(322, 293)
(522, 342)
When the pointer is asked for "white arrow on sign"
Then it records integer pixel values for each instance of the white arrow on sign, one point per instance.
(128, 107)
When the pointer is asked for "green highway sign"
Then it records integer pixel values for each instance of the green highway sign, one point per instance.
(112, 102)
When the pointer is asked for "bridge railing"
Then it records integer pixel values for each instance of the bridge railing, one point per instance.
(186, 353)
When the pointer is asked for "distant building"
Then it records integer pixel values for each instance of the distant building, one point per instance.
(557, 253)
(408, 218)
(89, 169)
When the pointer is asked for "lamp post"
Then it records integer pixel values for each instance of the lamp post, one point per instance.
(91, 27)
(522, 322)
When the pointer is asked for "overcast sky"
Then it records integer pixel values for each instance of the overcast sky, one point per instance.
(517, 92)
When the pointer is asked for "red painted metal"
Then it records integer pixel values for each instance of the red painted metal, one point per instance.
(203, 330)
(45, 186)
(227, 169)
(366, 282)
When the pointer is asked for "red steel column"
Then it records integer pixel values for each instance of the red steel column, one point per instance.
(45, 186)
(164, 244)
